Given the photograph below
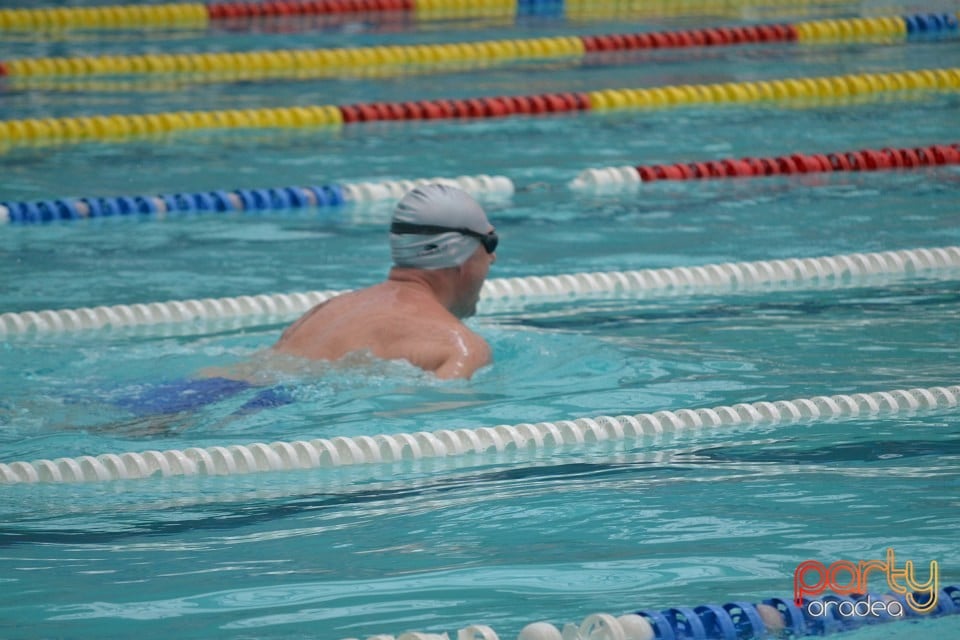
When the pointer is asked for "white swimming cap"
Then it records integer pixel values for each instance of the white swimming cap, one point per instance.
(437, 205)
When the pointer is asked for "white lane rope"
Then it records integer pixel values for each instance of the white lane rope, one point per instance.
(392, 190)
(389, 448)
(729, 276)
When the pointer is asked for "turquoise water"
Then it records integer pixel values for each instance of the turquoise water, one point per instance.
(504, 540)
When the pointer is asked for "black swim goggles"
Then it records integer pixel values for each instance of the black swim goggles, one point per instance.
(488, 240)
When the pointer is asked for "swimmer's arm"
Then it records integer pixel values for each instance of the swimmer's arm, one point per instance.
(246, 371)
(466, 353)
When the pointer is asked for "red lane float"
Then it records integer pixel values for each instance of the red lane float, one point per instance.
(277, 8)
(863, 160)
(708, 37)
(496, 107)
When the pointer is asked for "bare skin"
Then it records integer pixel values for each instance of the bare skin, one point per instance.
(414, 315)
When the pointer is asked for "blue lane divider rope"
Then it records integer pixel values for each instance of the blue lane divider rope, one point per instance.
(743, 620)
(919, 25)
(771, 618)
(260, 200)
(203, 202)
(766, 620)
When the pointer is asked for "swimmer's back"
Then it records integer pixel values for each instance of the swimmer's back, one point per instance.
(391, 322)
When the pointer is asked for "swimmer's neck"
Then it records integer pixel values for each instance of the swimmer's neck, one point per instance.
(439, 284)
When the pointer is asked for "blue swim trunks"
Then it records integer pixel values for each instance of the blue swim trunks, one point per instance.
(193, 393)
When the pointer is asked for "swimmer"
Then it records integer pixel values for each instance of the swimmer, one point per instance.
(442, 247)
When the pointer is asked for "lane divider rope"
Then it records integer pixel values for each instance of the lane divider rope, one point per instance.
(740, 276)
(199, 15)
(480, 186)
(261, 64)
(219, 201)
(385, 448)
(738, 620)
(753, 167)
(121, 127)
(48, 74)
(426, 10)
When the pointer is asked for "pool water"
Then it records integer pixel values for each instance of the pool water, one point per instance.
(714, 515)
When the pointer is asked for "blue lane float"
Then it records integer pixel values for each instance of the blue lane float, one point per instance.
(742, 620)
(540, 8)
(260, 200)
(771, 618)
(930, 24)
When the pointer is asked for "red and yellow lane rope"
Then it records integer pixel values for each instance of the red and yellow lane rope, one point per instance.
(393, 60)
(199, 15)
(786, 90)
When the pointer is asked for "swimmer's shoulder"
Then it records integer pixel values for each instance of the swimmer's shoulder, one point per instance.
(305, 318)
(469, 354)
(450, 350)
